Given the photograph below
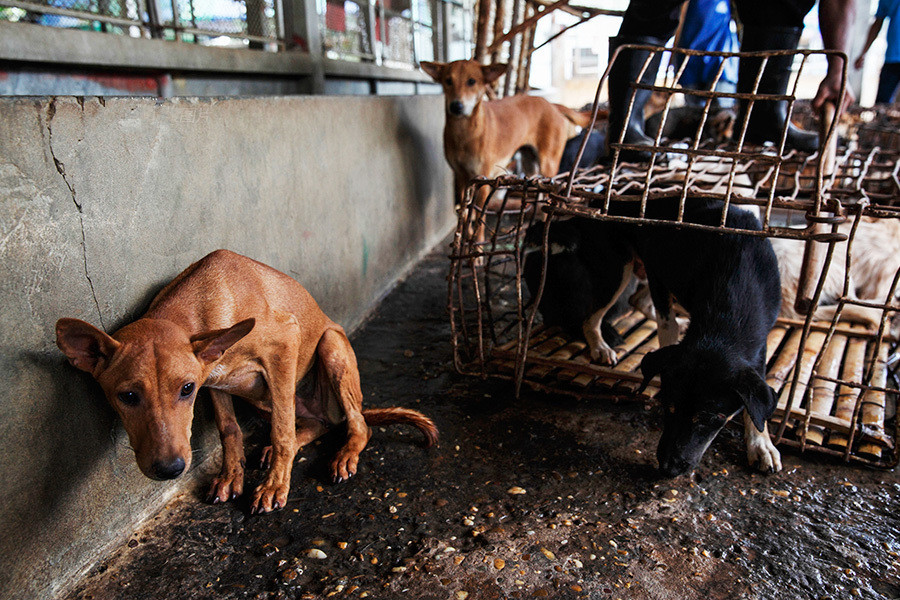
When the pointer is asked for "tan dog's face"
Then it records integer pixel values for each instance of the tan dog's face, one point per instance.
(150, 372)
(464, 81)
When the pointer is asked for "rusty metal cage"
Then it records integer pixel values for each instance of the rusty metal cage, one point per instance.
(834, 378)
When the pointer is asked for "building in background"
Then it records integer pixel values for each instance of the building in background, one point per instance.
(203, 47)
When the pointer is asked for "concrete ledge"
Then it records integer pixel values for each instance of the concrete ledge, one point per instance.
(27, 42)
(356, 70)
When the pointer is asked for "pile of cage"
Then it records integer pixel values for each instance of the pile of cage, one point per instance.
(834, 379)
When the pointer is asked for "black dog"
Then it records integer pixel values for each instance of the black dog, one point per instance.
(729, 284)
(682, 123)
(572, 292)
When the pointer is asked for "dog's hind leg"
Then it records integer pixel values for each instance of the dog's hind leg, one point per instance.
(600, 350)
(337, 364)
(229, 484)
(666, 324)
(760, 449)
(667, 327)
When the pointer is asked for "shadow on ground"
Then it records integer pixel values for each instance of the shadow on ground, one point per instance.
(593, 522)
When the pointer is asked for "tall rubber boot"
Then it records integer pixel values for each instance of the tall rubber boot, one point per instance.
(625, 70)
(767, 117)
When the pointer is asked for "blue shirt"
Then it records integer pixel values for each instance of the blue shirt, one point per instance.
(887, 9)
(707, 26)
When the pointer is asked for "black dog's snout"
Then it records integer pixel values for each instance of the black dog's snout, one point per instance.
(168, 470)
(456, 108)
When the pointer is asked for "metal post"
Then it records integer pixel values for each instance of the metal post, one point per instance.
(301, 29)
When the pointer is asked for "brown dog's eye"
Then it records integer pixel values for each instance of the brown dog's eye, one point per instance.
(449, 81)
(129, 398)
(471, 81)
(187, 389)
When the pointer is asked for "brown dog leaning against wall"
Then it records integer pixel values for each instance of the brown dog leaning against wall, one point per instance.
(481, 136)
(241, 328)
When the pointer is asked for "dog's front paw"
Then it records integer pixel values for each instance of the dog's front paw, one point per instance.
(762, 453)
(604, 355)
(343, 466)
(227, 486)
(268, 497)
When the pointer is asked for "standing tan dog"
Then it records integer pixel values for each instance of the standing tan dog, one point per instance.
(239, 328)
(481, 136)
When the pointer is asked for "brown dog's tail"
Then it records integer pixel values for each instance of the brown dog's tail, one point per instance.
(389, 416)
(582, 119)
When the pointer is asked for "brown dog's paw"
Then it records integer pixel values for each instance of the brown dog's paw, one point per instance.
(267, 498)
(227, 486)
(344, 465)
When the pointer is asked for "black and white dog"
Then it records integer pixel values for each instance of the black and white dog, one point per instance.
(572, 291)
(729, 284)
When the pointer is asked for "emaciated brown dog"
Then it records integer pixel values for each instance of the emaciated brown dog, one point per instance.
(240, 328)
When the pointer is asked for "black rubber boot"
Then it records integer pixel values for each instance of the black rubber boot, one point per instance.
(625, 70)
(767, 118)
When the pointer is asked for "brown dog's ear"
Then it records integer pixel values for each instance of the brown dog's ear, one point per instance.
(84, 345)
(435, 70)
(758, 397)
(492, 73)
(210, 346)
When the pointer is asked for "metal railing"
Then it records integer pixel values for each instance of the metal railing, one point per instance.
(254, 23)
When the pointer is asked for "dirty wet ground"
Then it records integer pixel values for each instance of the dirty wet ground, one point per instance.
(540, 497)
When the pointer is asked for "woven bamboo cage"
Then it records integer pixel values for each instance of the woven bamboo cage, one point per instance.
(834, 379)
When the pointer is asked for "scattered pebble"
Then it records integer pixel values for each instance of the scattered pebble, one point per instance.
(515, 490)
(548, 554)
(315, 553)
(499, 563)
(461, 595)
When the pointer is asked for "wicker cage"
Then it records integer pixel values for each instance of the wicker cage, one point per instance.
(834, 379)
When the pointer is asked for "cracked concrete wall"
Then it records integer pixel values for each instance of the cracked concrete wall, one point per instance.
(104, 201)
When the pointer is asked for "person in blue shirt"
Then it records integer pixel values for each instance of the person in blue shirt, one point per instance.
(767, 25)
(890, 72)
(707, 26)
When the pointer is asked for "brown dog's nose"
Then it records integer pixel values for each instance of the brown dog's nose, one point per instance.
(168, 470)
(456, 108)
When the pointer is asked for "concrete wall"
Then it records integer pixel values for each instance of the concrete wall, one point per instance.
(102, 202)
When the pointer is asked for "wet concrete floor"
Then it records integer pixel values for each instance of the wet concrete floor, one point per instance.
(594, 521)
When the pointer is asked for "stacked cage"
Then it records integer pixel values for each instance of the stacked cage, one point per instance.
(834, 377)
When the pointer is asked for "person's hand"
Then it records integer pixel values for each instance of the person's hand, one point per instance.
(860, 60)
(830, 91)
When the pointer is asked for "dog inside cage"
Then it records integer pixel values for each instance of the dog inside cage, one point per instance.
(710, 269)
